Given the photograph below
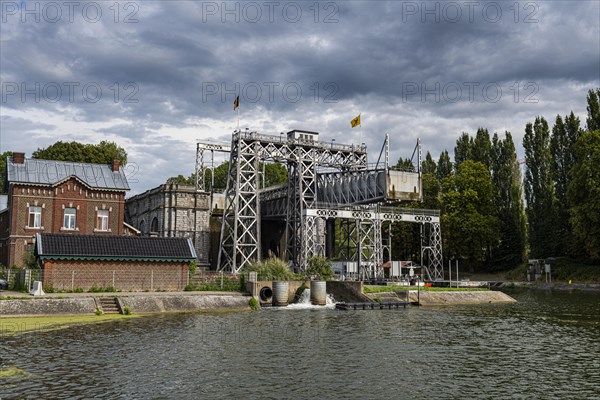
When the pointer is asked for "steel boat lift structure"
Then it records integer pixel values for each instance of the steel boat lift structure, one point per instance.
(327, 181)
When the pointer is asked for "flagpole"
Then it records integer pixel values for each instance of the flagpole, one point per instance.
(360, 132)
(238, 118)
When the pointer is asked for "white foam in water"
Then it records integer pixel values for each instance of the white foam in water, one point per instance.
(305, 304)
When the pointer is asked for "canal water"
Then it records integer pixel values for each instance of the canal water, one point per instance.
(545, 346)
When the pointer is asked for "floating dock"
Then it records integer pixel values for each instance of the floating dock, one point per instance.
(372, 305)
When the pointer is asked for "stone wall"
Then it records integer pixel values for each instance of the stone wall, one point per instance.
(153, 304)
(150, 303)
(173, 210)
(9, 308)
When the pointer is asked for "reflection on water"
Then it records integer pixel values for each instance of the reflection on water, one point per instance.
(545, 346)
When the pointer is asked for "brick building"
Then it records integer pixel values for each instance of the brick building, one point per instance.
(71, 262)
(48, 196)
(173, 210)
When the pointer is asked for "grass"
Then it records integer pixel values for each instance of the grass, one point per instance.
(16, 298)
(10, 326)
(385, 289)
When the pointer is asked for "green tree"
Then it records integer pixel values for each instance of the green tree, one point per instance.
(562, 147)
(220, 173)
(428, 166)
(431, 191)
(444, 167)
(405, 164)
(319, 268)
(593, 109)
(508, 204)
(181, 180)
(584, 192)
(462, 150)
(469, 224)
(3, 158)
(539, 191)
(102, 153)
(275, 174)
(482, 148)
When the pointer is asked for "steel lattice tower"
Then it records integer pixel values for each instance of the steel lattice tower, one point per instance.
(325, 181)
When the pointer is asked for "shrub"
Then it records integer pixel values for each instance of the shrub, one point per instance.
(193, 267)
(253, 303)
(127, 310)
(98, 311)
(319, 268)
(99, 289)
(272, 269)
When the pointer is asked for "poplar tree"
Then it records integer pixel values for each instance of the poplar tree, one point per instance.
(444, 166)
(482, 148)
(428, 166)
(508, 203)
(562, 144)
(462, 150)
(584, 192)
(593, 108)
(539, 192)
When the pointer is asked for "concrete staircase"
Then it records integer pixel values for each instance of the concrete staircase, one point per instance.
(109, 305)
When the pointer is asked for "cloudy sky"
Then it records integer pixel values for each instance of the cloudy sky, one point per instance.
(155, 76)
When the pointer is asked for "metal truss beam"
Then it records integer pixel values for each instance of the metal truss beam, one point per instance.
(367, 236)
(202, 147)
(240, 229)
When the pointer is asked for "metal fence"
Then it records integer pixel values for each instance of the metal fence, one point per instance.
(19, 279)
(217, 281)
(108, 280)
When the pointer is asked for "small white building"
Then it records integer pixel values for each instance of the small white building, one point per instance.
(305, 136)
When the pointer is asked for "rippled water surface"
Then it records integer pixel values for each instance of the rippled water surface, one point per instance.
(545, 346)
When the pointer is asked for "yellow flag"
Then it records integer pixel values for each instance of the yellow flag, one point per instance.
(355, 121)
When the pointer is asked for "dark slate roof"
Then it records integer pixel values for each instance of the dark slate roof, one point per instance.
(65, 246)
(51, 172)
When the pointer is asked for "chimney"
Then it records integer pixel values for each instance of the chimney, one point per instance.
(18, 158)
(115, 166)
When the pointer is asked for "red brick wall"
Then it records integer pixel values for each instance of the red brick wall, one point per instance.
(4, 233)
(53, 200)
(125, 275)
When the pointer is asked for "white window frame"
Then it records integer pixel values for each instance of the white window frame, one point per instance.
(102, 220)
(70, 218)
(37, 217)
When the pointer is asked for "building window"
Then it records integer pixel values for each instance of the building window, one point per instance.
(35, 217)
(102, 220)
(70, 218)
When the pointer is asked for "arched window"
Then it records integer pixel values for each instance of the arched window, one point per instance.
(154, 225)
(142, 227)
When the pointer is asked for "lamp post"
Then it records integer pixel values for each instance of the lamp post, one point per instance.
(332, 143)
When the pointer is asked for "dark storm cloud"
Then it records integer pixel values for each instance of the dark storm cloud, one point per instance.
(413, 69)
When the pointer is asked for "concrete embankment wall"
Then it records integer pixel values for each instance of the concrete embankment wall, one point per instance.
(154, 304)
(12, 308)
(292, 287)
(450, 298)
(347, 291)
(138, 304)
(593, 287)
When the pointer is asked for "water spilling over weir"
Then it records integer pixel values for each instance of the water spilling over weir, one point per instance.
(304, 303)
